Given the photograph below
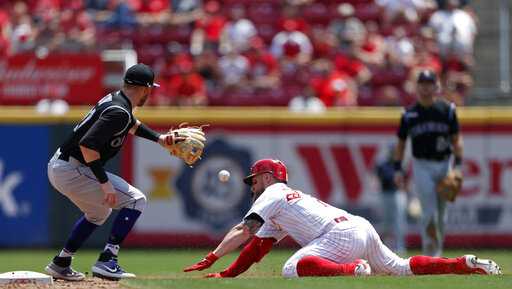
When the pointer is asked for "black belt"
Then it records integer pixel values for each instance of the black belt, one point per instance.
(435, 159)
(64, 157)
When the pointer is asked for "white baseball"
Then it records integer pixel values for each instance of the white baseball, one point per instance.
(224, 176)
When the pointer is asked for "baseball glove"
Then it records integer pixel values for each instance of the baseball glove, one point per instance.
(186, 142)
(449, 187)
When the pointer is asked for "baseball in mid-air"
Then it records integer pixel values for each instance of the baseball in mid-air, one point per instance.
(224, 176)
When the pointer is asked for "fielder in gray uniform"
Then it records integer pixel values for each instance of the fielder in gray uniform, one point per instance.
(433, 127)
(76, 171)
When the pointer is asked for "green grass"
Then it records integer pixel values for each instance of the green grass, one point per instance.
(163, 269)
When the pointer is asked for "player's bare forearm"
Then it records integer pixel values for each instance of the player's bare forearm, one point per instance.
(399, 150)
(135, 127)
(238, 235)
(89, 154)
(457, 144)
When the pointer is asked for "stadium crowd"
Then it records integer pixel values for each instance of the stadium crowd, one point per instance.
(303, 53)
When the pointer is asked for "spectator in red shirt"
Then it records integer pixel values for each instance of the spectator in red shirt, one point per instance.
(333, 87)
(151, 11)
(373, 46)
(173, 65)
(4, 47)
(263, 67)
(208, 29)
(187, 88)
(291, 13)
(149, 6)
(78, 29)
(5, 28)
(346, 61)
(324, 43)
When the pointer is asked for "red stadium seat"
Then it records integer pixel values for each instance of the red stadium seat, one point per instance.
(367, 12)
(267, 31)
(263, 12)
(316, 13)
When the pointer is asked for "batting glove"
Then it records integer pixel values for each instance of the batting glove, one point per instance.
(203, 264)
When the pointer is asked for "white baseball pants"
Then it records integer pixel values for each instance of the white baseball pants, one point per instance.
(344, 244)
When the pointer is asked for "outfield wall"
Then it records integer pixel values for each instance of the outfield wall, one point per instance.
(330, 155)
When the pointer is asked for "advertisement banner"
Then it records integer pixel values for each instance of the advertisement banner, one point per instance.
(26, 78)
(23, 186)
(333, 162)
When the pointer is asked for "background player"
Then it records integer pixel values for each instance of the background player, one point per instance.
(333, 241)
(76, 171)
(433, 127)
(394, 203)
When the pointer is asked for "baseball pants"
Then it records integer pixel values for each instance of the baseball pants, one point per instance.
(426, 174)
(77, 182)
(344, 244)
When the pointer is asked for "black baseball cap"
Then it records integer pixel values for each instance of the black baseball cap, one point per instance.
(427, 76)
(140, 74)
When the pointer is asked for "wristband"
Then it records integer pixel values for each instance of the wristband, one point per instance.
(98, 171)
(457, 163)
(147, 133)
(212, 257)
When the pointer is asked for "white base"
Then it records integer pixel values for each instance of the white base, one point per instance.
(25, 277)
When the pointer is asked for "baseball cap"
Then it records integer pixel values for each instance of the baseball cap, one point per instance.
(427, 76)
(140, 74)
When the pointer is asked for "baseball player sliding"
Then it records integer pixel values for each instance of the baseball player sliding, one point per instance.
(76, 170)
(333, 241)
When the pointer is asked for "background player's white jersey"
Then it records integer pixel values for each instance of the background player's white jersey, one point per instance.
(291, 212)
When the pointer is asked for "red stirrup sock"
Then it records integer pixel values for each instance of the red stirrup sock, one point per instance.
(421, 265)
(318, 266)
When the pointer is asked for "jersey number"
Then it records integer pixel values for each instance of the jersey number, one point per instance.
(292, 196)
(442, 144)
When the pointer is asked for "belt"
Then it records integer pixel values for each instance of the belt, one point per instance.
(435, 159)
(64, 157)
(67, 158)
(334, 222)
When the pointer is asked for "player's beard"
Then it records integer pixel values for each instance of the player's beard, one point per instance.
(143, 100)
(255, 195)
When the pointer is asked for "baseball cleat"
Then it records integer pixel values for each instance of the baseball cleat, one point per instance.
(482, 266)
(64, 273)
(362, 268)
(110, 270)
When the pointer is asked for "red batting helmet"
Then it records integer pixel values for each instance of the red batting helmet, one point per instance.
(275, 167)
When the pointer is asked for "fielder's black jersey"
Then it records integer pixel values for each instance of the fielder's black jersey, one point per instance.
(103, 129)
(430, 128)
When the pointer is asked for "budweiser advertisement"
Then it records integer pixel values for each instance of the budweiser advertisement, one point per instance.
(190, 206)
(75, 78)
